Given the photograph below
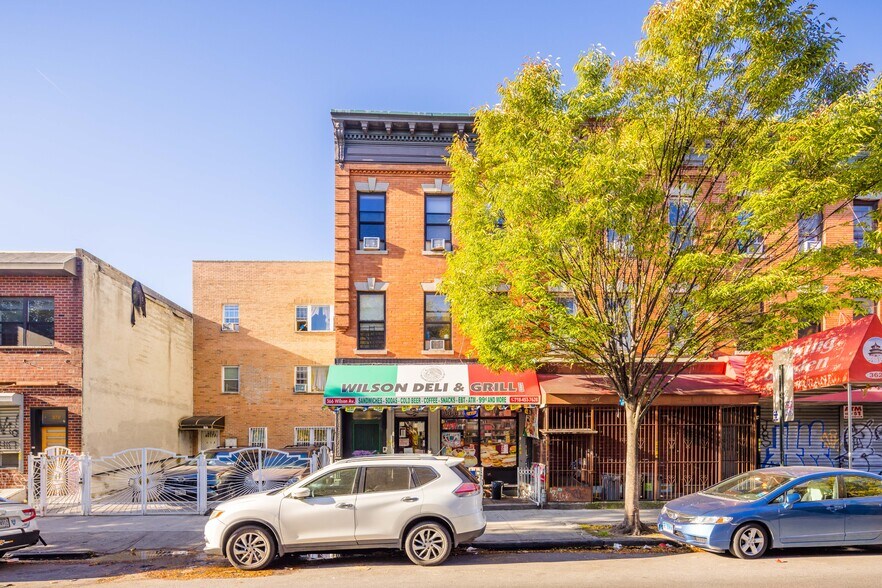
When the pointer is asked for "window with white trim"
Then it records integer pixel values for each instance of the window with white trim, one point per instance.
(314, 436)
(310, 378)
(810, 229)
(257, 437)
(230, 379)
(318, 318)
(231, 314)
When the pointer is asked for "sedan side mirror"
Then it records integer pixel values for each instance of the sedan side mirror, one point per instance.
(792, 498)
(299, 493)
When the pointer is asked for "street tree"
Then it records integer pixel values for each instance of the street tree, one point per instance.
(666, 206)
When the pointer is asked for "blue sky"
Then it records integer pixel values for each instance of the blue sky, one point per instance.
(155, 133)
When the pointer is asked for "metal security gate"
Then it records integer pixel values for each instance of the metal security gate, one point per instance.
(55, 482)
(531, 483)
(252, 470)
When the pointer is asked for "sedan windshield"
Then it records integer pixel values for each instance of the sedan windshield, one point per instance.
(750, 486)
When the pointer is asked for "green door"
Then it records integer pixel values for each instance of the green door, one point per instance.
(367, 436)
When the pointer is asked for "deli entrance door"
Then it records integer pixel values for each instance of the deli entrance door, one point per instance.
(411, 434)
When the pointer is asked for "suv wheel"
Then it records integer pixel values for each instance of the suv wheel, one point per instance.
(750, 541)
(251, 548)
(428, 544)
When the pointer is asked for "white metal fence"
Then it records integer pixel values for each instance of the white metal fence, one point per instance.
(531, 483)
(154, 481)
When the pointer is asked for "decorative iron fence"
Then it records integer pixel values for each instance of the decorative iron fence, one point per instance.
(154, 481)
(531, 483)
(680, 450)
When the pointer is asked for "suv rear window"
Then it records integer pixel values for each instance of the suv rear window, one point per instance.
(423, 475)
(464, 474)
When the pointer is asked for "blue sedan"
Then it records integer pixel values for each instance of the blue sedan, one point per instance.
(779, 507)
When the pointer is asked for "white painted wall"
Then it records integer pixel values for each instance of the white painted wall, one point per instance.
(137, 380)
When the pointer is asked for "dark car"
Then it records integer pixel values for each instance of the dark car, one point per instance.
(231, 473)
(779, 507)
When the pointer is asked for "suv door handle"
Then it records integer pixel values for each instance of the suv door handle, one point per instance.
(344, 505)
(835, 507)
(409, 499)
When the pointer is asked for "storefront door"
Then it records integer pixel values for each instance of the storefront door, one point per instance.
(411, 434)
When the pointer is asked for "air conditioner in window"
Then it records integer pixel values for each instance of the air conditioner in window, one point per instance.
(300, 387)
(438, 244)
(230, 327)
(436, 344)
(807, 246)
(370, 243)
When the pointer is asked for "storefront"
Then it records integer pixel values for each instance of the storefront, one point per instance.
(461, 410)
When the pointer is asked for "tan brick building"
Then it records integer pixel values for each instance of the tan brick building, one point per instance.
(263, 341)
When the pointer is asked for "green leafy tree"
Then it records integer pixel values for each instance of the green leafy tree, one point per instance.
(663, 193)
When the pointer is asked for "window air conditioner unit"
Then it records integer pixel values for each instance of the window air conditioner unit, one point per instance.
(230, 327)
(439, 244)
(807, 246)
(300, 387)
(436, 344)
(370, 243)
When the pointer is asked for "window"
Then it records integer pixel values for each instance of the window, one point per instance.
(816, 490)
(386, 479)
(681, 215)
(423, 475)
(809, 231)
(864, 221)
(314, 436)
(230, 379)
(371, 321)
(257, 437)
(336, 483)
(861, 487)
(750, 242)
(438, 324)
(865, 307)
(10, 437)
(620, 316)
(809, 329)
(310, 378)
(301, 318)
(438, 209)
(27, 322)
(313, 318)
(617, 241)
(568, 302)
(231, 317)
(372, 218)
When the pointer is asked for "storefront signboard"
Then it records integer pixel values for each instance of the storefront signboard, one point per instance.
(428, 385)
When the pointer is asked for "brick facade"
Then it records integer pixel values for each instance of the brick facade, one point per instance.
(405, 266)
(46, 377)
(267, 348)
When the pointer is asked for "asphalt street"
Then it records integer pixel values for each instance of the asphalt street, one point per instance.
(630, 567)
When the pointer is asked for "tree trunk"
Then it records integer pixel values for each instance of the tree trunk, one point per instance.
(631, 524)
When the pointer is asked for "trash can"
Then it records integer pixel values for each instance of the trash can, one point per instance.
(496, 490)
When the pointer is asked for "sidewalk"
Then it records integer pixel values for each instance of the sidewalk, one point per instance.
(506, 529)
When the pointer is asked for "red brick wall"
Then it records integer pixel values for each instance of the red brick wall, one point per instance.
(61, 364)
(404, 267)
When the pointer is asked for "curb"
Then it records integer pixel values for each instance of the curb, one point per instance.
(35, 554)
(566, 544)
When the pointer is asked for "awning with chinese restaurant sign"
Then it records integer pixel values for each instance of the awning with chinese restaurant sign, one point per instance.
(831, 359)
(201, 423)
(428, 385)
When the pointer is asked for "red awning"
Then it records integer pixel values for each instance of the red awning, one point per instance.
(851, 354)
(556, 387)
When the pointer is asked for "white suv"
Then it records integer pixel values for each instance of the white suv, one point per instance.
(424, 505)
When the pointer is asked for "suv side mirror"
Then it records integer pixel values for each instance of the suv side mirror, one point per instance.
(792, 498)
(299, 493)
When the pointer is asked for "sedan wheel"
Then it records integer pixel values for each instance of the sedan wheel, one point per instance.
(750, 542)
(428, 544)
(251, 548)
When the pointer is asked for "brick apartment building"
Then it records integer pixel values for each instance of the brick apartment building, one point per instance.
(263, 341)
(75, 371)
(392, 203)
